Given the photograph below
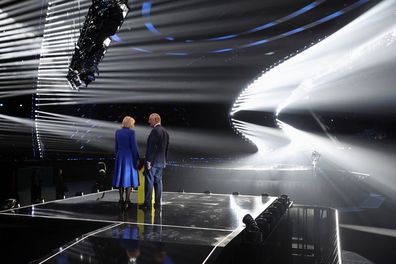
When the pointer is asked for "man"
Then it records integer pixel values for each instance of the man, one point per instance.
(156, 156)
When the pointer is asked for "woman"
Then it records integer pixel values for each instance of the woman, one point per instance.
(126, 162)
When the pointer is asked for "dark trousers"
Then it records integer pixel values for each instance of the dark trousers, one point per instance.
(153, 177)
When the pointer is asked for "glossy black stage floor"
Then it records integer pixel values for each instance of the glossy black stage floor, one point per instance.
(189, 228)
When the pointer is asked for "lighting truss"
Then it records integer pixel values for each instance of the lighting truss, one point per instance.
(103, 20)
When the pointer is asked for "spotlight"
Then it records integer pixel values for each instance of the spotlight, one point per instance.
(264, 225)
(269, 218)
(252, 233)
(276, 211)
(284, 199)
(278, 204)
(250, 222)
(102, 21)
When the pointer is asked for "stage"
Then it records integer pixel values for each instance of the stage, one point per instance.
(189, 228)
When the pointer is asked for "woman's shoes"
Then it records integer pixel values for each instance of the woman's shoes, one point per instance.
(127, 204)
(124, 204)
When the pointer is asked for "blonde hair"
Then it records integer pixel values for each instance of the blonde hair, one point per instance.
(128, 122)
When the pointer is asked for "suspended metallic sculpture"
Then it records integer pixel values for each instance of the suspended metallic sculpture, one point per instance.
(103, 20)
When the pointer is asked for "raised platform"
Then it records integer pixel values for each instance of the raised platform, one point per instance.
(189, 228)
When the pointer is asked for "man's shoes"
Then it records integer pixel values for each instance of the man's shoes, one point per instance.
(144, 207)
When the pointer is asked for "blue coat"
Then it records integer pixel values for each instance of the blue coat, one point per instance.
(127, 156)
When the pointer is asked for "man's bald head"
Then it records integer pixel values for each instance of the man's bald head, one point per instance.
(154, 119)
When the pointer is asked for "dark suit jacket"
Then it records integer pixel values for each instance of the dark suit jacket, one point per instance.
(157, 147)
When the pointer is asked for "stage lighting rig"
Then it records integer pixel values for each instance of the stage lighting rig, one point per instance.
(251, 233)
(103, 20)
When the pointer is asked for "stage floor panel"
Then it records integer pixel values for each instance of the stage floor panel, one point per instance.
(123, 243)
(215, 211)
(188, 228)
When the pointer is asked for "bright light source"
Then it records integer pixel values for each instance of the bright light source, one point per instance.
(340, 70)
